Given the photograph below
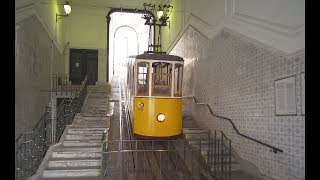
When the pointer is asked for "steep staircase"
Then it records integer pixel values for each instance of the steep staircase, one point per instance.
(195, 132)
(78, 154)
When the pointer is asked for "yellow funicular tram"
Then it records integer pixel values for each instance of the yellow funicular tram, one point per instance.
(155, 88)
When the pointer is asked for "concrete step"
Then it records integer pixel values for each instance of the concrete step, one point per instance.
(92, 130)
(95, 114)
(79, 125)
(78, 173)
(75, 155)
(89, 118)
(234, 167)
(79, 149)
(83, 137)
(90, 122)
(194, 131)
(74, 163)
(101, 123)
(195, 136)
(82, 143)
(101, 101)
(213, 142)
(189, 123)
(97, 108)
(219, 157)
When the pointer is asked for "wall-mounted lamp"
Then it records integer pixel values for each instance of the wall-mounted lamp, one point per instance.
(67, 9)
(163, 14)
(159, 13)
(161, 20)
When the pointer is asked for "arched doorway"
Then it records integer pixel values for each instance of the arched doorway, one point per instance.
(126, 21)
(125, 44)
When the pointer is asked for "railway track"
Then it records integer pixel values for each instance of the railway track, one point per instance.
(136, 159)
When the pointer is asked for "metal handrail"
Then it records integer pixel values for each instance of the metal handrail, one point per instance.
(60, 84)
(32, 146)
(274, 149)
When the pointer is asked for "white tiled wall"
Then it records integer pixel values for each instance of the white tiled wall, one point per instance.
(32, 73)
(235, 76)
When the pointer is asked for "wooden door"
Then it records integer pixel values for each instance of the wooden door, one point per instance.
(76, 66)
(92, 66)
(83, 62)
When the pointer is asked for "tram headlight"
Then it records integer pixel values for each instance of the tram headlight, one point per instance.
(161, 117)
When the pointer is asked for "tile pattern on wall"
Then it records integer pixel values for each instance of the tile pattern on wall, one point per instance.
(32, 73)
(235, 75)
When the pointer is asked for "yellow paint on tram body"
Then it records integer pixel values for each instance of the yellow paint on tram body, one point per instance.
(146, 111)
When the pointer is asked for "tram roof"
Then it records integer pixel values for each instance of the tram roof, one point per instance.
(156, 56)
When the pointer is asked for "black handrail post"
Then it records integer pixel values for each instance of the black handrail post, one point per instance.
(229, 160)
(215, 151)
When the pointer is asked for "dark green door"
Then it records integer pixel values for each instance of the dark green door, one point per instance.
(83, 62)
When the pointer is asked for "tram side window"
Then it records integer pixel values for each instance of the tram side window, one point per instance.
(178, 70)
(161, 79)
(142, 85)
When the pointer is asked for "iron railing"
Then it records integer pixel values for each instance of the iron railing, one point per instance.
(168, 159)
(274, 149)
(32, 146)
(103, 155)
(61, 84)
(68, 108)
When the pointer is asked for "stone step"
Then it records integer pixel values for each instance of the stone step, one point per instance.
(75, 155)
(84, 132)
(79, 149)
(78, 173)
(92, 130)
(98, 96)
(90, 118)
(194, 131)
(86, 121)
(95, 115)
(195, 136)
(189, 124)
(74, 163)
(93, 125)
(221, 157)
(82, 143)
(83, 137)
(100, 123)
(96, 108)
(234, 167)
(96, 101)
(99, 113)
(214, 145)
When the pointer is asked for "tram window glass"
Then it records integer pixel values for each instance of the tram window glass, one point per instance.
(143, 88)
(161, 79)
(178, 70)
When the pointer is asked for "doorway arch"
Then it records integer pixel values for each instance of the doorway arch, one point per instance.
(121, 57)
(108, 17)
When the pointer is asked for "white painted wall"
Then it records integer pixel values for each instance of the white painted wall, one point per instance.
(86, 28)
(234, 51)
(276, 23)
